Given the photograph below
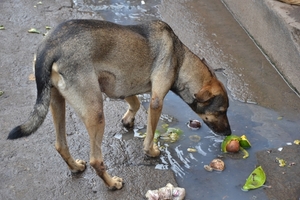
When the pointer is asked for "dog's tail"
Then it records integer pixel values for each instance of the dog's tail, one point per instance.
(43, 66)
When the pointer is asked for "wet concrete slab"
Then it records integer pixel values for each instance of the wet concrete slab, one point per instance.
(282, 179)
(275, 27)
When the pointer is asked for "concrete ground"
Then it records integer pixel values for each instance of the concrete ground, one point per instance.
(33, 170)
(31, 167)
(275, 27)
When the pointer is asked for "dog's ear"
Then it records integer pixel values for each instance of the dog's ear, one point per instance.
(204, 95)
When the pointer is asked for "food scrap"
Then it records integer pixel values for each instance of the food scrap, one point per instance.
(194, 124)
(216, 164)
(192, 150)
(33, 30)
(281, 162)
(234, 143)
(167, 192)
(297, 142)
(255, 180)
(171, 135)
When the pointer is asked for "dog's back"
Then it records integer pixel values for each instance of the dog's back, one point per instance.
(113, 52)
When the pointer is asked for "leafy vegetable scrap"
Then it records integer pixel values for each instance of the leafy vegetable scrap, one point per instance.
(234, 143)
(281, 162)
(255, 180)
(33, 30)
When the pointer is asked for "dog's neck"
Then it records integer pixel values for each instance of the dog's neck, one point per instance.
(192, 76)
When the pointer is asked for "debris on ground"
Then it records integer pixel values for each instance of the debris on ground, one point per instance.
(234, 144)
(191, 150)
(216, 164)
(297, 142)
(33, 30)
(171, 135)
(169, 192)
(255, 180)
(194, 124)
(280, 161)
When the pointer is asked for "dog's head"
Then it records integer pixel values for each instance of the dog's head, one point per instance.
(211, 104)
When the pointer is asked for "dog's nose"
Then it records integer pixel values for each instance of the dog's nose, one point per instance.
(227, 132)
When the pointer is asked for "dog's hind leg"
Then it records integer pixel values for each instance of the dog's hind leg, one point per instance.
(86, 99)
(57, 106)
(134, 105)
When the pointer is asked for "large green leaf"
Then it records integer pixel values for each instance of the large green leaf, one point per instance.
(255, 180)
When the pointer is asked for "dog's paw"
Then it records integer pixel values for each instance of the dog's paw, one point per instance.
(128, 122)
(117, 183)
(153, 152)
(80, 166)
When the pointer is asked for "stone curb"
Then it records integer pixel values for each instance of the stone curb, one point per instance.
(275, 28)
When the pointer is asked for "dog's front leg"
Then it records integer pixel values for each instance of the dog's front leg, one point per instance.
(154, 112)
(96, 159)
(95, 123)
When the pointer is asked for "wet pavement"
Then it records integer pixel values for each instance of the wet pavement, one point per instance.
(262, 107)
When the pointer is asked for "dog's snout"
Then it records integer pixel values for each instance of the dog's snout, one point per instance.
(227, 132)
(220, 130)
(220, 126)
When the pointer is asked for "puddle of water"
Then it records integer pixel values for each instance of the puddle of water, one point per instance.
(122, 12)
(263, 128)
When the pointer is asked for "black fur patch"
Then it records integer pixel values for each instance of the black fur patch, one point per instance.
(15, 133)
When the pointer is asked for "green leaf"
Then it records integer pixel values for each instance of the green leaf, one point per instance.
(255, 180)
(244, 142)
(2, 27)
(33, 30)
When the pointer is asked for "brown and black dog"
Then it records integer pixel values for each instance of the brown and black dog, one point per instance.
(81, 59)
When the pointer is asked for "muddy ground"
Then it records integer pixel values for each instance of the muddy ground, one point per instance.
(262, 107)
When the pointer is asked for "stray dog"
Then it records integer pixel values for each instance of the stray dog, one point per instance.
(81, 59)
